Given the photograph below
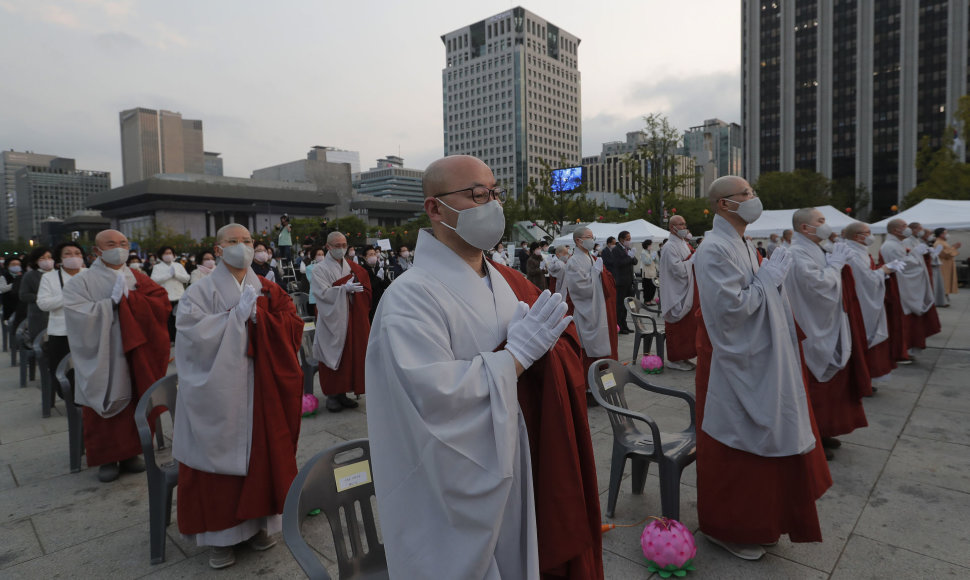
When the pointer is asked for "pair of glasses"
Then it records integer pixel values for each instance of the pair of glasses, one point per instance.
(480, 194)
(750, 192)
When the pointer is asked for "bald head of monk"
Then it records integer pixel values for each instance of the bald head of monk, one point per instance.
(583, 233)
(112, 247)
(857, 232)
(677, 224)
(896, 227)
(461, 183)
(726, 194)
(806, 221)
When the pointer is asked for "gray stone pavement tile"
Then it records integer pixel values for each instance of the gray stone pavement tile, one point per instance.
(6, 478)
(946, 397)
(122, 554)
(18, 543)
(867, 559)
(950, 426)
(37, 458)
(882, 432)
(922, 518)
(21, 419)
(892, 401)
(949, 378)
(624, 567)
(954, 359)
(856, 469)
(931, 462)
(716, 563)
(276, 562)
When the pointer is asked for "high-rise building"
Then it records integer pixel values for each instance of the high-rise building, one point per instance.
(11, 162)
(391, 180)
(154, 142)
(610, 175)
(511, 87)
(715, 148)
(849, 87)
(55, 190)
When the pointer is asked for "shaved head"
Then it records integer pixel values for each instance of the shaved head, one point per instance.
(580, 232)
(451, 173)
(896, 225)
(105, 237)
(806, 215)
(229, 231)
(677, 221)
(562, 250)
(336, 238)
(724, 187)
(854, 229)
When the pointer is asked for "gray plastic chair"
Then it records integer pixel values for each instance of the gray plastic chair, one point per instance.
(308, 363)
(4, 330)
(162, 478)
(315, 487)
(645, 328)
(46, 381)
(28, 364)
(301, 300)
(672, 452)
(75, 422)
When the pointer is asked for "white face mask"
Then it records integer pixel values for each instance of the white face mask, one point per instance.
(135, 265)
(73, 263)
(168, 258)
(338, 253)
(238, 255)
(749, 210)
(481, 226)
(260, 256)
(45, 265)
(869, 240)
(588, 244)
(405, 254)
(319, 259)
(371, 260)
(683, 234)
(114, 256)
(210, 264)
(907, 232)
(823, 231)
(15, 270)
(826, 245)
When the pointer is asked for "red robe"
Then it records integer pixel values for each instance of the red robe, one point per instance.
(681, 335)
(915, 328)
(210, 502)
(143, 317)
(553, 402)
(879, 358)
(349, 376)
(747, 498)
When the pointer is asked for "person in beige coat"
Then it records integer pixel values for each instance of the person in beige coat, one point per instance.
(948, 266)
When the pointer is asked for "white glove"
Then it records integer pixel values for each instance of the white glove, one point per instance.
(773, 271)
(353, 287)
(4, 285)
(936, 250)
(380, 273)
(533, 331)
(247, 302)
(838, 257)
(598, 264)
(921, 249)
(896, 265)
(119, 289)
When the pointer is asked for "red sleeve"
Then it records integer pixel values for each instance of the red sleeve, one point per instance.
(143, 316)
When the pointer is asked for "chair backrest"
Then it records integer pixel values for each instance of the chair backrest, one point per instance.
(162, 394)
(642, 319)
(608, 380)
(38, 345)
(306, 348)
(300, 300)
(338, 482)
(21, 335)
(65, 376)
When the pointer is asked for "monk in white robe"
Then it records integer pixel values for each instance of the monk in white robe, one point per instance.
(342, 291)
(239, 402)
(556, 267)
(117, 325)
(678, 296)
(587, 285)
(759, 469)
(915, 293)
(870, 288)
(814, 288)
(450, 439)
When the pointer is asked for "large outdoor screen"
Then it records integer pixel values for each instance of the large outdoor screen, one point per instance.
(566, 179)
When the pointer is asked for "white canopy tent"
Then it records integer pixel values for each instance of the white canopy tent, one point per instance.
(775, 221)
(953, 214)
(639, 230)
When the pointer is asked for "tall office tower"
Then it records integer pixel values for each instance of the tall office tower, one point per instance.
(57, 190)
(154, 142)
(10, 162)
(511, 95)
(849, 87)
(715, 148)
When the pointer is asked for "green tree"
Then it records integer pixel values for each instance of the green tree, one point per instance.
(795, 189)
(150, 242)
(654, 170)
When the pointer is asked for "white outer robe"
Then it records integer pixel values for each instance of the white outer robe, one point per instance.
(676, 280)
(815, 294)
(333, 311)
(557, 269)
(870, 287)
(915, 293)
(214, 424)
(756, 399)
(448, 441)
(101, 374)
(584, 285)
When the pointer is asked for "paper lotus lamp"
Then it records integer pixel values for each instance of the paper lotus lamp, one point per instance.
(669, 548)
(310, 405)
(652, 363)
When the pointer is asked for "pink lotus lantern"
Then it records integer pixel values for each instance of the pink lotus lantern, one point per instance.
(310, 404)
(652, 364)
(669, 548)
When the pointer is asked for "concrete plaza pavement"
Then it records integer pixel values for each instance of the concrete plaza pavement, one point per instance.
(899, 506)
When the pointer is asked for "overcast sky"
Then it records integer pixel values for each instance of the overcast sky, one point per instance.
(271, 79)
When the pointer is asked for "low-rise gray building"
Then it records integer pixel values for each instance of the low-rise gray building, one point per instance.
(317, 169)
(198, 205)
